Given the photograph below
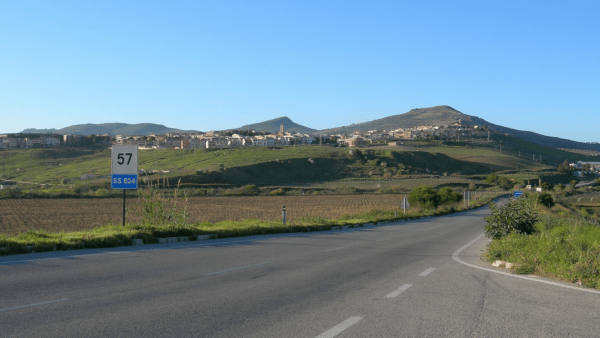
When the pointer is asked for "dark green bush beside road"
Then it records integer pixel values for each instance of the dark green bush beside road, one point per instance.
(517, 216)
(427, 198)
(544, 241)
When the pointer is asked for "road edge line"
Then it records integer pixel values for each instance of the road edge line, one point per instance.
(456, 258)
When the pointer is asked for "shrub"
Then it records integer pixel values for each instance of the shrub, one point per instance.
(64, 181)
(546, 200)
(102, 192)
(277, 192)
(547, 186)
(518, 216)
(573, 183)
(472, 186)
(251, 189)
(491, 178)
(448, 196)
(424, 197)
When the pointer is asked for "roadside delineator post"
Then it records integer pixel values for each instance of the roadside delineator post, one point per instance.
(283, 215)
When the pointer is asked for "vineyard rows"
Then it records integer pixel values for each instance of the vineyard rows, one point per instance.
(68, 215)
(406, 184)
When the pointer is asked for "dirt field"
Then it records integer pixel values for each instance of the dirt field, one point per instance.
(19, 215)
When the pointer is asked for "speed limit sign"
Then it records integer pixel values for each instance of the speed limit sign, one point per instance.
(124, 167)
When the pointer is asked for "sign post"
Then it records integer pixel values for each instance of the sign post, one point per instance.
(405, 204)
(124, 169)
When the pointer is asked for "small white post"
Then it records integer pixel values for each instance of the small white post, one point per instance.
(283, 215)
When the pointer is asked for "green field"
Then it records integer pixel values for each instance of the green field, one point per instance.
(265, 166)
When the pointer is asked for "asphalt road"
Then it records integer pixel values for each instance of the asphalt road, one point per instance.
(410, 279)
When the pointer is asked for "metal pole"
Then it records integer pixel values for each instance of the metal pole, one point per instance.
(283, 215)
(123, 208)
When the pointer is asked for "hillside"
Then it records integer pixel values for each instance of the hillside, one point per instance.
(439, 115)
(446, 115)
(273, 125)
(112, 129)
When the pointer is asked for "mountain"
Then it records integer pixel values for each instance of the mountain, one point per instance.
(272, 126)
(439, 116)
(446, 115)
(112, 129)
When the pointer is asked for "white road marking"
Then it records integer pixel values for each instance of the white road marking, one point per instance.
(399, 291)
(426, 272)
(240, 268)
(343, 247)
(32, 305)
(455, 257)
(334, 331)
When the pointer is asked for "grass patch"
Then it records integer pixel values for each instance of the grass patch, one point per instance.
(116, 235)
(564, 247)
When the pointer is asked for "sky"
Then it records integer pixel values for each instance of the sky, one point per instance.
(214, 65)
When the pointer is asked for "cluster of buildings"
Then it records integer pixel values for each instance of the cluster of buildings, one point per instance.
(455, 131)
(583, 168)
(228, 140)
(215, 140)
(7, 142)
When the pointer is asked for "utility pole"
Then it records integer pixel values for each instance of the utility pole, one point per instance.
(488, 135)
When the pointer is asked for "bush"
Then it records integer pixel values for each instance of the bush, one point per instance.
(518, 216)
(547, 186)
(251, 189)
(102, 192)
(573, 183)
(277, 192)
(546, 200)
(491, 178)
(424, 197)
(448, 196)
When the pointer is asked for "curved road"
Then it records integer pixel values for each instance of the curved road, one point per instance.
(393, 280)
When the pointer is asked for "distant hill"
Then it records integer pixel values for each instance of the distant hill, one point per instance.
(446, 115)
(272, 126)
(440, 116)
(112, 129)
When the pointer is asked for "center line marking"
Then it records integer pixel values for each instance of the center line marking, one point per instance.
(426, 272)
(243, 267)
(334, 331)
(399, 291)
(32, 305)
(335, 249)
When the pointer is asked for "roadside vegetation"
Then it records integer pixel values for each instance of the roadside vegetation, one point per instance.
(159, 216)
(553, 234)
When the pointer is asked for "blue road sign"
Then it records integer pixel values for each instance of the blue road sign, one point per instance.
(124, 181)
(518, 193)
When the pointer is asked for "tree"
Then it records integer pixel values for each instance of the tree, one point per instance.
(547, 186)
(546, 200)
(449, 196)
(424, 197)
(564, 168)
(491, 178)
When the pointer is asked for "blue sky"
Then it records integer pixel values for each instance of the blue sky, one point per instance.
(217, 65)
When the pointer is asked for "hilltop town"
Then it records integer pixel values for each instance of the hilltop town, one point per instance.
(245, 138)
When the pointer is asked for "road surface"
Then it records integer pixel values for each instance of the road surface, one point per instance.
(410, 279)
